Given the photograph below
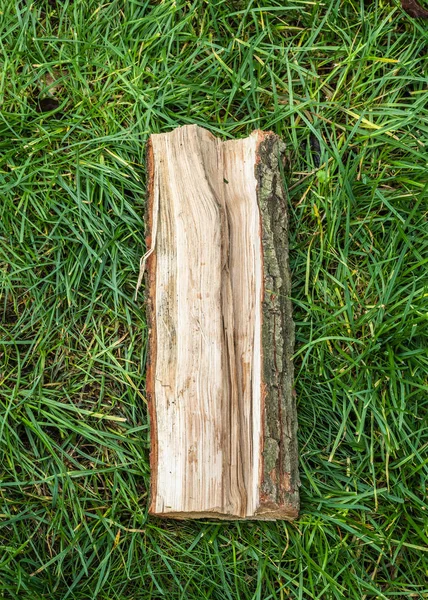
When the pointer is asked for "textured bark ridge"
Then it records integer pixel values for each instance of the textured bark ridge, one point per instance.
(280, 479)
(220, 375)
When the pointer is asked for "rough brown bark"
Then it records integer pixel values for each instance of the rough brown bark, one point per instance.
(414, 9)
(280, 480)
(253, 417)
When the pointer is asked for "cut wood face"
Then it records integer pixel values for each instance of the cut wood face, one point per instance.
(206, 292)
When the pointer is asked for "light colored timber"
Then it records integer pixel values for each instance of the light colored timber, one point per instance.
(219, 380)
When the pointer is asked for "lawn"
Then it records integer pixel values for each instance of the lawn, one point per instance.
(82, 86)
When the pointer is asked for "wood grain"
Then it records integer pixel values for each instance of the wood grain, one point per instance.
(219, 380)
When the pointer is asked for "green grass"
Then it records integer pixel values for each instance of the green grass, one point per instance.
(343, 82)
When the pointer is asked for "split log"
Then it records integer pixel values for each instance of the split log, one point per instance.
(220, 375)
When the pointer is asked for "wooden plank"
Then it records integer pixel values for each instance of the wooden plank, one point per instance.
(219, 380)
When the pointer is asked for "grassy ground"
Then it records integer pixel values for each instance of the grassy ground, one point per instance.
(82, 85)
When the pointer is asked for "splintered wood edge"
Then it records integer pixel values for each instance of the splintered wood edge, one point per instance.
(269, 510)
(285, 513)
(150, 298)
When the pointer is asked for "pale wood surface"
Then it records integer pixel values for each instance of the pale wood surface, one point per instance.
(210, 435)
